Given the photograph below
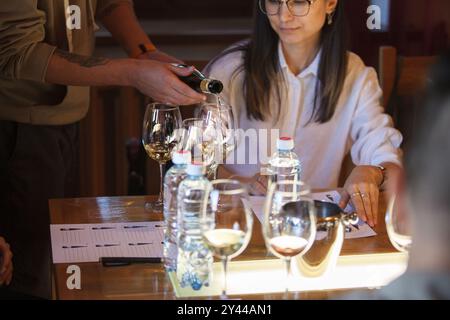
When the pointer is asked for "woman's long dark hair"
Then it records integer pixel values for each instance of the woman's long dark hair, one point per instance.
(261, 66)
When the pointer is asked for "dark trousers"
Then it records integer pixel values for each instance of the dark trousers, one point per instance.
(37, 163)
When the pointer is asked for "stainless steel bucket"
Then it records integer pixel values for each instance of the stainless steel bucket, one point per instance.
(322, 257)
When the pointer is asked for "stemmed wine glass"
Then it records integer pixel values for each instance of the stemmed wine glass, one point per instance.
(398, 226)
(289, 226)
(219, 115)
(160, 134)
(200, 138)
(227, 221)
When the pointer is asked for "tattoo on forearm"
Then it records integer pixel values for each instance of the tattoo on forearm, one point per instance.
(83, 61)
(109, 9)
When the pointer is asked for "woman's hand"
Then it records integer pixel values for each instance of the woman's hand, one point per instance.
(6, 265)
(362, 188)
(257, 185)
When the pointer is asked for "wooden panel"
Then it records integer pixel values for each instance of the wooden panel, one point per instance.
(160, 9)
(387, 71)
(413, 74)
(92, 155)
(128, 124)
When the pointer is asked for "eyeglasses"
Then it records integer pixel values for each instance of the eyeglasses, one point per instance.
(298, 8)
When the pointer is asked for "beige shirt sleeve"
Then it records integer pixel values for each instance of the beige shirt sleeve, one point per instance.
(23, 54)
(103, 5)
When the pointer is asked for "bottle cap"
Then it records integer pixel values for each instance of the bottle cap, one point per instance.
(285, 143)
(195, 169)
(181, 157)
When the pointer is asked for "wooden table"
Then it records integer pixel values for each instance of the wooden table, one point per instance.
(150, 281)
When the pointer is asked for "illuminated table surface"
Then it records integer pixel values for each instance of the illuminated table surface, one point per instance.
(150, 281)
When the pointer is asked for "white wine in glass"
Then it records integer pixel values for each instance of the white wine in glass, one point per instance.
(227, 222)
(219, 115)
(160, 135)
(289, 225)
(200, 138)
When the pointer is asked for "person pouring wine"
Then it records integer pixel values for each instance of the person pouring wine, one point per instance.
(46, 69)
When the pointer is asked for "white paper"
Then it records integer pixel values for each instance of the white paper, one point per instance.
(76, 243)
(364, 231)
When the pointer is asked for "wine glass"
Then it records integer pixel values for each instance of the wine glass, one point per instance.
(398, 226)
(220, 116)
(227, 221)
(200, 138)
(289, 226)
(160, 134)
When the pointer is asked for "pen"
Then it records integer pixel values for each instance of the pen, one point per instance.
(102, 228)
(70, 229)
(73, 247)
(124, 261)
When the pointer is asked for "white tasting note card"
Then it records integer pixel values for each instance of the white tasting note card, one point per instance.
(89, 242)
(361, 230)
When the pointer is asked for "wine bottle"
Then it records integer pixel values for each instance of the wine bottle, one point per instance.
(199, 82)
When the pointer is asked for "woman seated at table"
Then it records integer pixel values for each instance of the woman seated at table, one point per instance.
(296, 75)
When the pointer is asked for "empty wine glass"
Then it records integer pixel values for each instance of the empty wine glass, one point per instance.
(227, 222)
(289, 226)
(398, 226)
(160, 134)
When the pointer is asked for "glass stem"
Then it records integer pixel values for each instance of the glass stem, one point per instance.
(225, 266)
(161, 182)
(215, 167)
(288, 272)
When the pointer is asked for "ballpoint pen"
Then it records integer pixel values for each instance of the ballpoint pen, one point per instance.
(102, 228)
(124, 261)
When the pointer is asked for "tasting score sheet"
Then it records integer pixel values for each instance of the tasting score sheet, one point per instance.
(76, 243)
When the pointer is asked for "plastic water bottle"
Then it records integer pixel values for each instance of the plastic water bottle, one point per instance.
(173, 177)
(195, 260)
(284, 163)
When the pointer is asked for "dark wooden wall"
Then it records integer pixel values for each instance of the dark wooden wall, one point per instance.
(416, 27)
